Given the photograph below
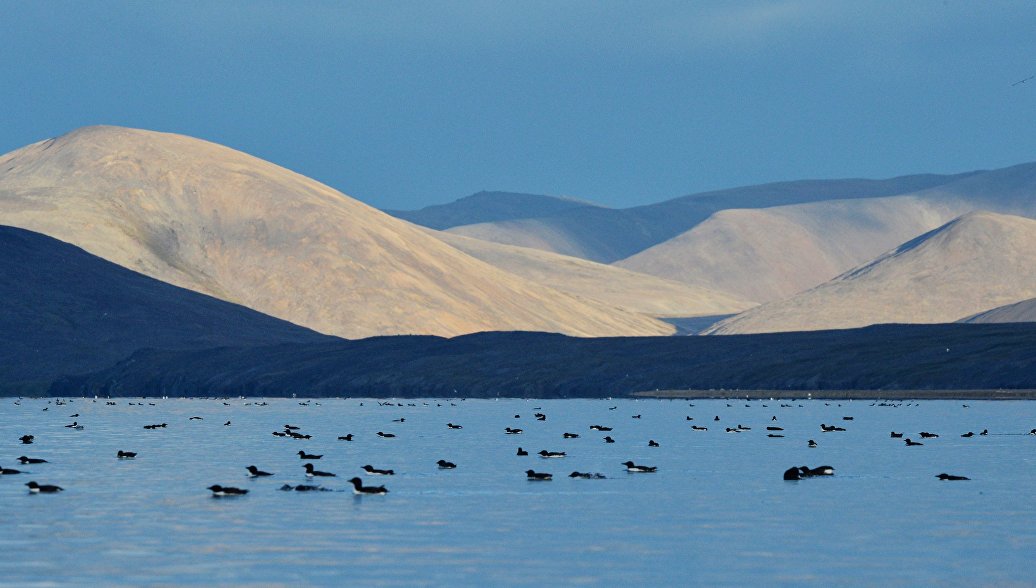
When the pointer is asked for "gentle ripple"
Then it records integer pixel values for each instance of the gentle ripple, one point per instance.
(717, 512)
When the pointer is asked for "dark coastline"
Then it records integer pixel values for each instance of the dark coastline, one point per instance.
(889, 395)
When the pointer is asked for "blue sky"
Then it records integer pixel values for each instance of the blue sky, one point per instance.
(403, 104)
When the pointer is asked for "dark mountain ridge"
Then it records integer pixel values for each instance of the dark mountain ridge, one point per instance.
(65, 311)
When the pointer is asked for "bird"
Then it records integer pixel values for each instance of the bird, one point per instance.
(824, 470)
(599, 428)
(775, 435)
(570, 435)
(446, 465)
(218, 490)
(43, 488)
(8, 471)
(587, 476)
(453, 426)
(376, 472)
(385, 435)
(652, 443)
(830, 428)
(310, 472)
(984, 432)
(549, 454)
(608, 439)
(774, 429)
(896, 435)
(510, 431)
(27, 439)
(538, 476)
(75, 425)
(911, 443)
(27, 460)
(304, 455)
(256, 472)
(125, 454)
(195, 418)
(697, 428)
(359, 488)
(951, 477)
(632, 467)
(522, 452)
(927, 435)
(812, 443)
(792, 474)
(968, 434)
(348, 437)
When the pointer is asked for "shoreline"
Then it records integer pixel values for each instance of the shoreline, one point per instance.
(840, 394)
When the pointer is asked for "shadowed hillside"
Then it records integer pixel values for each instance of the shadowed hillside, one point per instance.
(890, 357)
(64, 311)
(487, 207)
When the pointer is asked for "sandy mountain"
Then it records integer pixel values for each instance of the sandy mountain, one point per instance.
(974, 263)
(607, 235)
(769, 254)
(1019, 312)
(485, 207)
(220, 222)
(67, 312)
(607, 284)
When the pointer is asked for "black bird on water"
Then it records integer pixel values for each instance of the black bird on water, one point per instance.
(348, 437)
(256, 472)
(310, 472)
(304, 455)
(359, 488)
(632, 467)
(951, 477)
(912, 443)
(126, 454)
(43, 488)
(26, 439)
(27, 460)
(538, 476)
(376, 472)
(446, 465)
(522, 452)
(218, 490)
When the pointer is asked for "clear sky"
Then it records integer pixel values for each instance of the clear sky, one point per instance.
(404, 104)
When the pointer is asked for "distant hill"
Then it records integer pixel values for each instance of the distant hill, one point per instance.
(64, 311)
(223, 223)
(488, 365)
(1019, 312)
(768, 254)
(974, 263)
(486, 207)
(606, 235)
(631, 291)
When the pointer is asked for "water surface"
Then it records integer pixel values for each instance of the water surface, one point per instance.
(717, 511)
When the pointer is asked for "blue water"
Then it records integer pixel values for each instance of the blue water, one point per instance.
(717, 512)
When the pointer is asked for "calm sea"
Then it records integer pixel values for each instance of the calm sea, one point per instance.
(717, 511)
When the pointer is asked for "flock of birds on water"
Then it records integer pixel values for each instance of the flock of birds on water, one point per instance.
(294, 432)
